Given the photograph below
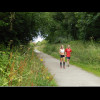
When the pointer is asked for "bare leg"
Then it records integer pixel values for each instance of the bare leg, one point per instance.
(60, 62)
(63, 62)
(68, 62)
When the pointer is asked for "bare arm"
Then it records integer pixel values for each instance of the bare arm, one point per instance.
(59, 51)
(65, 53)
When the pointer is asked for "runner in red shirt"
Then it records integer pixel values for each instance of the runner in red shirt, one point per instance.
(67, 52)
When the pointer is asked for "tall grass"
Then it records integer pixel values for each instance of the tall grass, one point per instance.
(22, 67)
(85, 55)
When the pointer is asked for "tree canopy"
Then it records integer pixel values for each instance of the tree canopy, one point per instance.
(56, 27)
(18, 26)
(66, 26)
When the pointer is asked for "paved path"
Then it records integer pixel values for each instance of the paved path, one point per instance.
(71, 76)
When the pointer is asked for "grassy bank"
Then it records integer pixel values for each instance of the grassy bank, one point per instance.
(84, 55)
(22, 67)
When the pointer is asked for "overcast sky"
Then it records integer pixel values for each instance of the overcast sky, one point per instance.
(39, 38)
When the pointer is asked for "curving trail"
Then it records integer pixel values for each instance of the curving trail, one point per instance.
(71, 76)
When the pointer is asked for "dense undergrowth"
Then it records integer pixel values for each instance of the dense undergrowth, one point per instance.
(20, 66)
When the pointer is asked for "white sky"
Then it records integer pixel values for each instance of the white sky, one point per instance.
(39, 38)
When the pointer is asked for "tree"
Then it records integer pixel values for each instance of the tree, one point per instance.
(20, 29)
(86, 22)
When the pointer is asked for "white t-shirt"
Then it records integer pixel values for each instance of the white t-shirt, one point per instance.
(62, 50)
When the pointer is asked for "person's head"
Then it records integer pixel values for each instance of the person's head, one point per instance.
(62, 47)
(68, 46)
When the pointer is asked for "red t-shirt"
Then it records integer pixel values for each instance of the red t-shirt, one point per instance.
(68, 52)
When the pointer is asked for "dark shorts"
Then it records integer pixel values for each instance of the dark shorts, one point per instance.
(68, 57)
(61, 56)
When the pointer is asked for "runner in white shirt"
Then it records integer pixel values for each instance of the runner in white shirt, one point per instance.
(62, 56)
